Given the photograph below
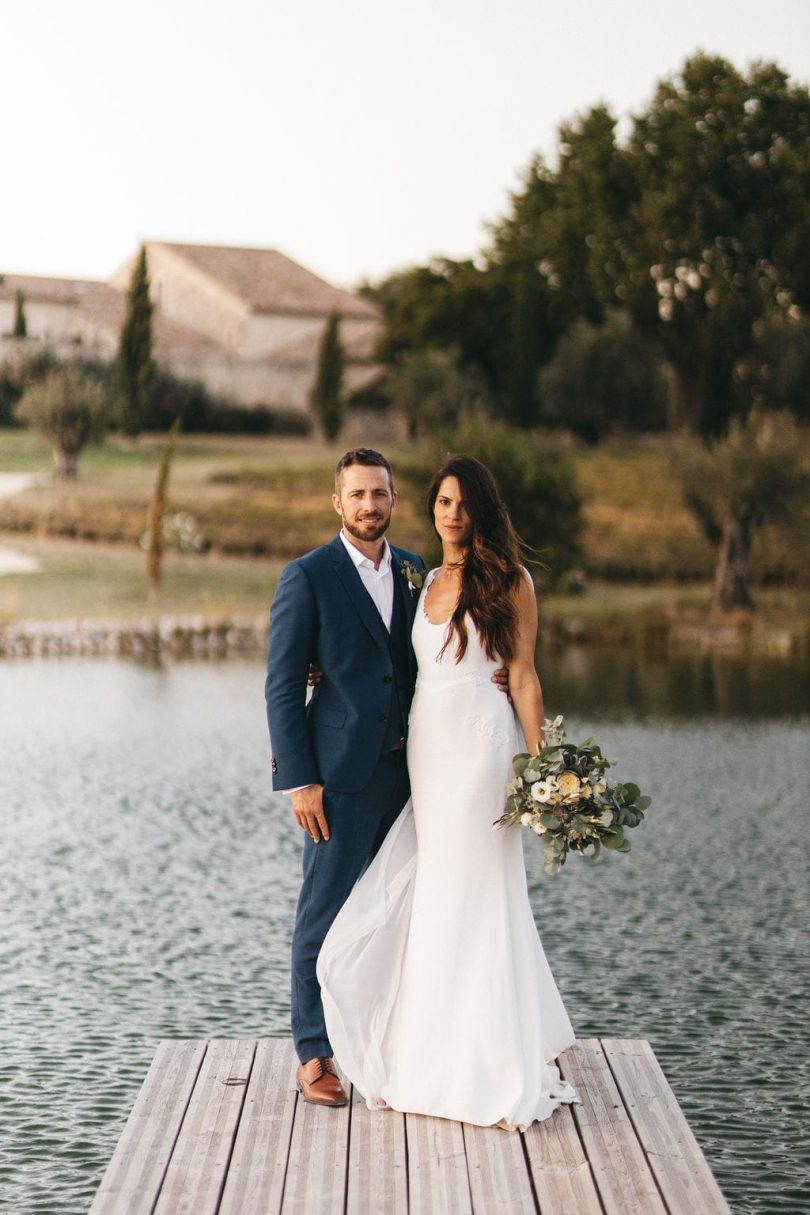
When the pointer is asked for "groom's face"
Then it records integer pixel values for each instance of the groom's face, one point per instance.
(364, 500)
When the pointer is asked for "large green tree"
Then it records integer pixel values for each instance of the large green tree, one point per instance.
(135, 369)
(698, 223)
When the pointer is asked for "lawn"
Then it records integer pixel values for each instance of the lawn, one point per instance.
(258, 501)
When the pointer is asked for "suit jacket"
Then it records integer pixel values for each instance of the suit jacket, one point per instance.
(322, 613)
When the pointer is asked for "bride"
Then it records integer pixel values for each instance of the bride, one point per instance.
(437, 993)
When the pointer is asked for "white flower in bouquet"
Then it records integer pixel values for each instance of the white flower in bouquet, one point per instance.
(526, 819)
(544, 790)
(539, 828)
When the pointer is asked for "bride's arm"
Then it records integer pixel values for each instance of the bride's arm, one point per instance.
(524, 685)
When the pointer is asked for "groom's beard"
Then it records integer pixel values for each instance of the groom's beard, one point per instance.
(368, 529)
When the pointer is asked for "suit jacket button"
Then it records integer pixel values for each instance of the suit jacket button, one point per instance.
(383, 717)
(275, 766)
(387, 679)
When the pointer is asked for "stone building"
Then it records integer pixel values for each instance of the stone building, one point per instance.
(247, 322)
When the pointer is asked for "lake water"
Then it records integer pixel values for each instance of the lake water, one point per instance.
(148, 878)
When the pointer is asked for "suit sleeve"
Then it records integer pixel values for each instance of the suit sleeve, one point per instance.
(291, 646)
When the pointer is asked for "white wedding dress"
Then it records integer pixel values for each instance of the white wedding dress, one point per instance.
(437, 993)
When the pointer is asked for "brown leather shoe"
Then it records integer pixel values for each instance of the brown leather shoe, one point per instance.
(319, 1083)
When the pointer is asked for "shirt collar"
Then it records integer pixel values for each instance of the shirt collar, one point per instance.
(361, 559)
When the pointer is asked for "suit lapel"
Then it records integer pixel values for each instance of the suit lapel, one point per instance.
(346, 571)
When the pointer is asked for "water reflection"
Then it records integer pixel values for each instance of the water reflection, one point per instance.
(622, 681)
(148, 879)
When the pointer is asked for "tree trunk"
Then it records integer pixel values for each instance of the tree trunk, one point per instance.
(65, 464)
(683, 401)
(733, 574)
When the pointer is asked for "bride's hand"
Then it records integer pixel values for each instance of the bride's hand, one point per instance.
(501, 680)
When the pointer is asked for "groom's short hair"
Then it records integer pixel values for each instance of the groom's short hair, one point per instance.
(362, 455)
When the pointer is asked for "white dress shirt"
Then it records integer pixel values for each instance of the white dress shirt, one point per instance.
(378, 582)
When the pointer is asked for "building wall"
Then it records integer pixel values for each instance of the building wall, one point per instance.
(261, 382)
(184, 294)
(57, 324)
(262, 333)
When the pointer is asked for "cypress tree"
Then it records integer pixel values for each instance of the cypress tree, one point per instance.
(327, 392)
(20, 329)
(135, 367)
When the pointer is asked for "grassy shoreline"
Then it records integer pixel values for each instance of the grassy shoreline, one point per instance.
(91, 583)
(256, 502)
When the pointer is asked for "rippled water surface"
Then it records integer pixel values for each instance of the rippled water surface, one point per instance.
(148, 876)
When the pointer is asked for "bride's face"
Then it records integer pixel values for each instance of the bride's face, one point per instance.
(450, 515)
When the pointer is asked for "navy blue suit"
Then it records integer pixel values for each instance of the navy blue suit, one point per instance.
(345, 738)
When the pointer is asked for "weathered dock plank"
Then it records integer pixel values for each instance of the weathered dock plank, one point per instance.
(437, 1166)
(196, 1174)
(623, 1177)
(258, 1167)
(559, 1168)
(135, 1174)
(219, 1129)
(667, 1138)
(378, 1166)
(496, 1166)
(316, 1169)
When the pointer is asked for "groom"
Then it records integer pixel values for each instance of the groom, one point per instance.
(348, 608)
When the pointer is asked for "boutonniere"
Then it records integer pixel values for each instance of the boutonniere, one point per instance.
(415, 576)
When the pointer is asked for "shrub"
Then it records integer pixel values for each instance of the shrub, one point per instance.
(70, 408)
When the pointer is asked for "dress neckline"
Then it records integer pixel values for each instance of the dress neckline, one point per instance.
(440, 624)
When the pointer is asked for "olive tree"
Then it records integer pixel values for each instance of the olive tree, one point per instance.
(755, 475)
(70, 409)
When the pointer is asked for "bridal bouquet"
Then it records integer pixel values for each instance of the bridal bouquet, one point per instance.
(563, 795)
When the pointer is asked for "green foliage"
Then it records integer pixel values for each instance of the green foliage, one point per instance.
(755, 475)
(20, 329)
(697, 224)
(431, 390)
(70, 408)
(327, 391)
(563, 794)
(135, 367)
(605, 379)
(454, 306)
(526, 348)
(536, 481)
(776, 372)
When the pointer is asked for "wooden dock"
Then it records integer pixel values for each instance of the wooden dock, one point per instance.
(218, 1129)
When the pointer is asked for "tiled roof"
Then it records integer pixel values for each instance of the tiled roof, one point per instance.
(268, 281)
(105, 307)
(57, 290)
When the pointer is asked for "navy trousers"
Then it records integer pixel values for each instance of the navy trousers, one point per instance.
(358, 824)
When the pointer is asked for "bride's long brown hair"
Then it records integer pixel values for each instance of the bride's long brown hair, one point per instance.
(491, 571)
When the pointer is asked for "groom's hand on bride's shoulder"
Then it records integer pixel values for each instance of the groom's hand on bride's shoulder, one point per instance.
(307, 806)
(501, 679)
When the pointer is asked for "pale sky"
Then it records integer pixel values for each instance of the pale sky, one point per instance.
(356, 136)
